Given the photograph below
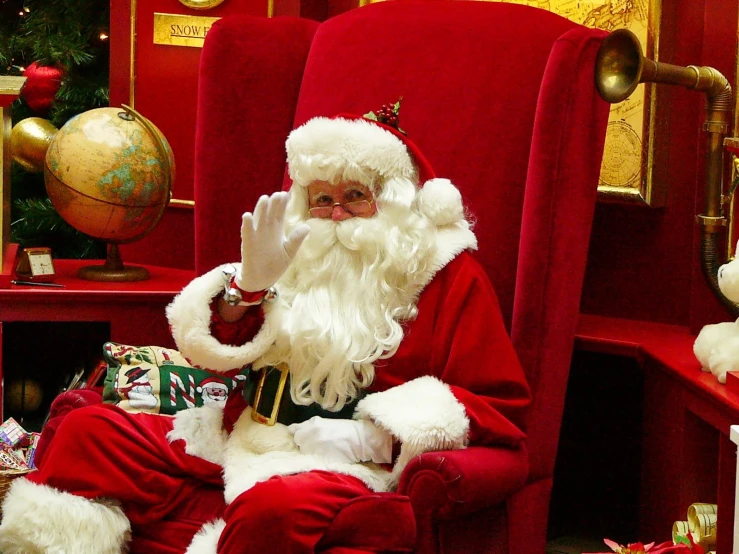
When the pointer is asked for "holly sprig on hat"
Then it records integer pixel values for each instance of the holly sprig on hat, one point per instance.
(388, 114)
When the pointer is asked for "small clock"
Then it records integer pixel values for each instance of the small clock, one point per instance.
(36, 264)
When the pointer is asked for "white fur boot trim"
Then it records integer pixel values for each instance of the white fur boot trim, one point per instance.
(38, 519)
(206, 540)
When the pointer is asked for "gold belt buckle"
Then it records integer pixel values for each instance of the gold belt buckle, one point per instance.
(272, 419)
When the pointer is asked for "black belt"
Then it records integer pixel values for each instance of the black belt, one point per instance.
(267, 391)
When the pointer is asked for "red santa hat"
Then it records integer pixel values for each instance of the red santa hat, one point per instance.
(212, 383)
(370, 151)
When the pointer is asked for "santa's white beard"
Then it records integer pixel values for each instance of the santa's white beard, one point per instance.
(349, 289)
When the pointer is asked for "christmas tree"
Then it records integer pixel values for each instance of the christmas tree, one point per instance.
(62, 48)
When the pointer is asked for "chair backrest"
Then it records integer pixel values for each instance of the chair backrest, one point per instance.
(499, 97)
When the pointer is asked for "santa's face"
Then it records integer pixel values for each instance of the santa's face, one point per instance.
(341, 201)
(352, 283)
(213, 394)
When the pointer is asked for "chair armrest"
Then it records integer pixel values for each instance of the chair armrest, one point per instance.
(453, 483)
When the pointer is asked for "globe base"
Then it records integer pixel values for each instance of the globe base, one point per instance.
(103, 273)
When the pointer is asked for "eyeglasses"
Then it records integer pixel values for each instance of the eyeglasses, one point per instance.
(359, 208)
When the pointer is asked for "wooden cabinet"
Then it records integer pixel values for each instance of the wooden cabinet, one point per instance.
(686, 452)
(131, 313)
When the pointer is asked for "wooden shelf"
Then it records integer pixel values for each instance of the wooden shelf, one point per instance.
(687, 455)
(135, 311)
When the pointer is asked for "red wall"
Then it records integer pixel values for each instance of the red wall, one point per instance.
(166, 93)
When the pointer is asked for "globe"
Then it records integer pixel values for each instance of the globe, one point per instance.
(108, 173)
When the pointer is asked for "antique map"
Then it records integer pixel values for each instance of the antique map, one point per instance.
(622, 159)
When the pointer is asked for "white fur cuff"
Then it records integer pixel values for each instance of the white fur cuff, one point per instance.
(202, 430)
(39, 519)
(423, 413)
(189, 317)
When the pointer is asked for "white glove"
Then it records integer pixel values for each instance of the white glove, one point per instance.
(343, 440)
(265, 252)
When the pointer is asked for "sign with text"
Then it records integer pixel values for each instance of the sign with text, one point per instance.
(181, 30)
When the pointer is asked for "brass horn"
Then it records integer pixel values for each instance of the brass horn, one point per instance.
(619, 67)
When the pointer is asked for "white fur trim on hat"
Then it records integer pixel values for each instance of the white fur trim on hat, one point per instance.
(441, 202)
(38, 518)
(354, 149)
(189, 318)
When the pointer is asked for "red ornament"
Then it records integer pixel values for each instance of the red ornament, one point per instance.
(42, 84)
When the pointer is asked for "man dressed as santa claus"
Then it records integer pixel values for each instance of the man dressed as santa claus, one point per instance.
(372, 334)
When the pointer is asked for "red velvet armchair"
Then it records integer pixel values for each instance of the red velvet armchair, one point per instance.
(501, 99)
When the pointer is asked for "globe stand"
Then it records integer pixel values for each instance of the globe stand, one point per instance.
(113, 270)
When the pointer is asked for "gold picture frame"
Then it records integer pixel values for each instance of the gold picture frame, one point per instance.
(627, 171)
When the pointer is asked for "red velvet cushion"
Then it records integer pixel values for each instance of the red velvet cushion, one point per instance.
(473, 119)
(250, 73)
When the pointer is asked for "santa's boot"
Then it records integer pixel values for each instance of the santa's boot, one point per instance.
(38, 519)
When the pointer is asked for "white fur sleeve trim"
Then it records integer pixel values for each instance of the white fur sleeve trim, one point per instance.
(424, 413)
(189, 318)
(202, 430)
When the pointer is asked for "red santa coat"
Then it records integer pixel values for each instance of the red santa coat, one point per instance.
(455, 380)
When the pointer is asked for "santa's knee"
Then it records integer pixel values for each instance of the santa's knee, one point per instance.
(267, 505)
(90, 429)
(91, 419)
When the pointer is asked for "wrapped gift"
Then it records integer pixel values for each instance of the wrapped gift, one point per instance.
(12, 434)
(9, 459)
(31, 450)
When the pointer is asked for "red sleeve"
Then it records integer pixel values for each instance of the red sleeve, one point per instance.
(478, 360)
(239, 332)
(455, 378)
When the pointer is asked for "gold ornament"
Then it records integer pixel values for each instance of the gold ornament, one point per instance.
(201, 4)
(29, 142)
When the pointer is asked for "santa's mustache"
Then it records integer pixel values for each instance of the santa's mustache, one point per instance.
(344, 232)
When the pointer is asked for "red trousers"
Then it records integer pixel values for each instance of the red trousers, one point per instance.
(102, 451)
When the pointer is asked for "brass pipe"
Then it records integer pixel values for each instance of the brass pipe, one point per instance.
(620, 67)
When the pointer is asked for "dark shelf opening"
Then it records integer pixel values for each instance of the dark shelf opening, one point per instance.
(597, 474)
(40, 359)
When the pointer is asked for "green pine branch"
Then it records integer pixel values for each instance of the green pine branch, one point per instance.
(37, 223)
(64, 34)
